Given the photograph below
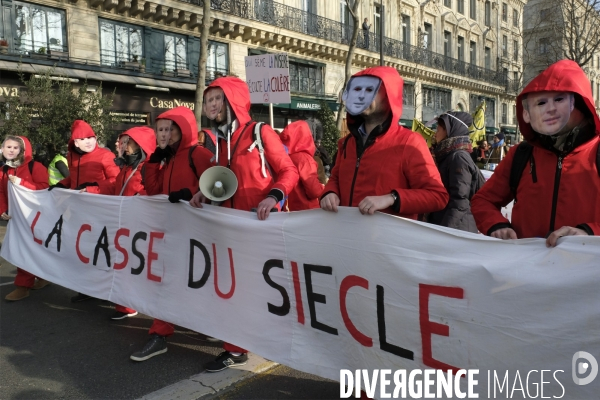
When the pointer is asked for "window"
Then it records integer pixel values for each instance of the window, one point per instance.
(175, 50)
(218, 60)
(448, 3)
(504, 12)
(347, 22)
(473, 53)
(427, 37)
(265, 10)
(39, 28)
(488, 13)
(488, 58)
(504, 113)
(408, 94)
(377, 19)
(516, 76)
(515, 18)
(306, 78)
(514, 114)
(120, 42)
(515, 50)
(504, 46)
(473, 9)
(461, 48)
(447, 41)
(406, 29)
(544, 45)
(435, 102)
(460, 5)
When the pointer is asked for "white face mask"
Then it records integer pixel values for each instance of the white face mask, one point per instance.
(549, 112)
(359, 93)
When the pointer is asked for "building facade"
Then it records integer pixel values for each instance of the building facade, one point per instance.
(451, 53)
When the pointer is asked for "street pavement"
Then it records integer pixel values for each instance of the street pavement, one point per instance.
(51, 348)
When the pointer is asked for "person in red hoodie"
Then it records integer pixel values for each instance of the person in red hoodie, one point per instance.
(20, 169)
(380, 165)
(298, 138)
(227, 106)
(168, 171)
(134, 147)
(89, 165)
(558, 193)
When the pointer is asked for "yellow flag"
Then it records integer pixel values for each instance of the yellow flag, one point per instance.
(477, 130)
(428, 134)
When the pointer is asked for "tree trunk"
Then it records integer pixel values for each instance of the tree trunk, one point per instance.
(200, 84)
(349, 57)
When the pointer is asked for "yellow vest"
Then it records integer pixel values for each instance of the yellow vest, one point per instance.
(54, 175)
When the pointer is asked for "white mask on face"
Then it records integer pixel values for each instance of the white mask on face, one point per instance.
(549, 112)
(360, 93)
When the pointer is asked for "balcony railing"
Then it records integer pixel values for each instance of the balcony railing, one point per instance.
(296, 20)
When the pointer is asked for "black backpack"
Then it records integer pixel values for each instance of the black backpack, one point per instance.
(523, 155)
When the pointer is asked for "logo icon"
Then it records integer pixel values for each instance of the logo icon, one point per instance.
(581, 367)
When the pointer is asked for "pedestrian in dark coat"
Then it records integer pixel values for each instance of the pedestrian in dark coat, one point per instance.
(458, 171)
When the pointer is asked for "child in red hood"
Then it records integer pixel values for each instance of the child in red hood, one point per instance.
(89, 165)
(298, 138)
(20, 169)
(168, 171)
(134, 147)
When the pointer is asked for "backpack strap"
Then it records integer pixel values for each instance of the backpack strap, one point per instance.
(258, 143)
(523, 153)
(191, 160)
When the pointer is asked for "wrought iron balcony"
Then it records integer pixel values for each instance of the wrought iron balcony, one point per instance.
(296, 20)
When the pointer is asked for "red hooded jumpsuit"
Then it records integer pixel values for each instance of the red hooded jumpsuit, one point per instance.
(297, 137)
(395, 160)
(129, 179)
(96, 166)
(177, 174)
(37, 179)
(253, 187)
(566, 190)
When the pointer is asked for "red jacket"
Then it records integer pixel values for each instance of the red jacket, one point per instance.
(96, 166)
(177, 174)
(37, 179)
(297, 137)
(253, 187)
(577, 200)
(395, 159)
(145, 138)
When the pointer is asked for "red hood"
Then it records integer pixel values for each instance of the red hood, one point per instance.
(144, 136)
(298, 137)
(28, 150)
(562, 76)
(237, 93)
(184, 117)
(80, 130)
(393, 83)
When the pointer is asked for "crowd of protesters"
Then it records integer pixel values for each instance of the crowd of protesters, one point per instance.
(379, 166)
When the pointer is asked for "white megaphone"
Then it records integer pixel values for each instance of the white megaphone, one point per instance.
(218, 184)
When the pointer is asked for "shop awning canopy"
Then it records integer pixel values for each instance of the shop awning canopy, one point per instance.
(508, 129)
(305, 103)
(491, 129)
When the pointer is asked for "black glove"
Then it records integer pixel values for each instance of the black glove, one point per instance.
(86, 184)
(58, 185)
(183, 194)
(120, 162)
(160, 154)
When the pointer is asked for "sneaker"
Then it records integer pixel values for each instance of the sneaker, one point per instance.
(226, 360)
(19, 293)
(80, 297)
(155, 346)
(121, 315)
(40, 284)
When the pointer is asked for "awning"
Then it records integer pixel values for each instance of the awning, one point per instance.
(406, 122)
(491, 129)
(507, 129)
(306, 104)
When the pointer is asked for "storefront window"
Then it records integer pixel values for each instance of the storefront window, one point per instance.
(39, 29)
(175, 53)
(120, 43)
(435, 102)
(217, 62)
(306, 78)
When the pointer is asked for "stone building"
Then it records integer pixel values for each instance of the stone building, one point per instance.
(451, 53)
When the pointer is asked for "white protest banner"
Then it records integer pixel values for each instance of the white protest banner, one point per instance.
(268, 78)
(332, 293)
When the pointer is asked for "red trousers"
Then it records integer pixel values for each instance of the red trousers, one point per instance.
(233, 348)
(24, 278)
(124, 309)
(161, 328)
